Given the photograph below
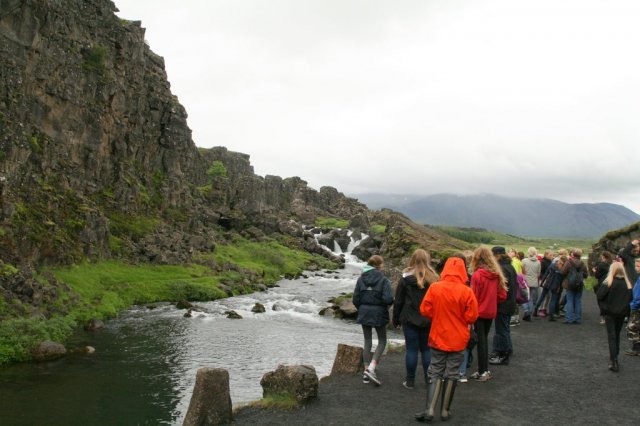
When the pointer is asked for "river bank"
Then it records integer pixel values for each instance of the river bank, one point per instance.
(557, 376)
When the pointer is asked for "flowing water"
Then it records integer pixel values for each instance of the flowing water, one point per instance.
(144, 367)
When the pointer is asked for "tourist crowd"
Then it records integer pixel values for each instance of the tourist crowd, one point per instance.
(447, 317)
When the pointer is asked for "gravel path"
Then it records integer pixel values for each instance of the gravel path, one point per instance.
(558, 375)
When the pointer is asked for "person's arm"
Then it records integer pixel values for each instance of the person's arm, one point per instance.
(585, 270)
(426, 307)
(356, 294)
(399, 302)
(387, 296)
(635, 301)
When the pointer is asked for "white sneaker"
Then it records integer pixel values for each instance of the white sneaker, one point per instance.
(372, 376)
(462, 379)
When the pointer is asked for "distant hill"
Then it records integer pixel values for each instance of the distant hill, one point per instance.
(518, 216)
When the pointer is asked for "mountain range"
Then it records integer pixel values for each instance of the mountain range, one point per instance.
(519, 216)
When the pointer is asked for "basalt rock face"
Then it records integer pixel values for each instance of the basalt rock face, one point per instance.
(614, 241)
(97, 160)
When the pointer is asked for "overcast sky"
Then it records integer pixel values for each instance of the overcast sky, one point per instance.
(531, 98)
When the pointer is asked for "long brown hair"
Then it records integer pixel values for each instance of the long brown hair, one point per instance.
(484, 258)
(420, 266)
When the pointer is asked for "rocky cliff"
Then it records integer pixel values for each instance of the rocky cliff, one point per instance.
(96, 154)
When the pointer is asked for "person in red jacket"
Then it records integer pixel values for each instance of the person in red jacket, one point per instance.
(452, 307)
(490, 288)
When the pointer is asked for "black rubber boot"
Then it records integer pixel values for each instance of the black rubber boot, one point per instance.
(447, 397)
(433, 394)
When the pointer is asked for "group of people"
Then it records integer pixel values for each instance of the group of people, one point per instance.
(445, 316)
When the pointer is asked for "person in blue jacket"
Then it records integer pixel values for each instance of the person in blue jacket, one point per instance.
(372, 296)
(633, 327)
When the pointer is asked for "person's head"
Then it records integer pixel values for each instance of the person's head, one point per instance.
(606, 257)
(616, 270)
(563, 252)
(499, 253)
(483, 258)
(420, 266)
(548, 254)
(512, 252)
(532, 252)
(576, 253)
(562, 260)
(636, 247)
(376, 261)
(520, 255)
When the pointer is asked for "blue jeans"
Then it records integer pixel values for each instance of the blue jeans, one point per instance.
(533, 299)
(573, 308)
(502, 339)
(416, 339)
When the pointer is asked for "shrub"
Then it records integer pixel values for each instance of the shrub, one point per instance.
(217, 169)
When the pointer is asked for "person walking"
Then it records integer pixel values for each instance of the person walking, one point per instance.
(614, 296)
(372, 297)
(502, 345)
(573, 307)
(490, 288)
(452, 307)
(531, 269)
(411, 289)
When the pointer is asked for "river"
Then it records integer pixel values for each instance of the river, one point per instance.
(144, 367)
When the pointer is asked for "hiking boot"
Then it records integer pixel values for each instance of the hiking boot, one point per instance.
(409, 384)
(372, 376)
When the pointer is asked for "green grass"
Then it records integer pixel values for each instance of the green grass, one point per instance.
(377, 228)
(331, 222)
(284, 401)
(482, 236)
(270, 260)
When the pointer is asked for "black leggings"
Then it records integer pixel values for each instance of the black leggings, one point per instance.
(368, 343)
(614, 325)
(482, 327)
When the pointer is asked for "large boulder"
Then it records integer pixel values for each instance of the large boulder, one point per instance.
(94, 324)
(299, 381)
(48, 350)
(347, 309)
(211, 401)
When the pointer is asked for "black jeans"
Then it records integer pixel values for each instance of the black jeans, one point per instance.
(614, 325)
(482, 327)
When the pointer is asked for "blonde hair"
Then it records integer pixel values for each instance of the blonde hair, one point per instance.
(483, 258)
(617, 270)
(420, 266)
(531, 251)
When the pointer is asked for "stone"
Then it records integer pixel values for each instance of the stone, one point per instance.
(48, 351)
(348, 360)
(233, 315)
(258, 308)
(328, 312)
(299, 381)
(211, 399)
(347, 309)
(94, 324)
(183, 304)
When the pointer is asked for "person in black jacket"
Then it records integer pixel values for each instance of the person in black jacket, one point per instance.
(629, 254)
(410, 291)
(502, 346)
(372, 297)
(600, 272)
(614, 296)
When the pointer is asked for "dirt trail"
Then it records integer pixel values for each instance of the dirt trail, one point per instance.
(558, 375)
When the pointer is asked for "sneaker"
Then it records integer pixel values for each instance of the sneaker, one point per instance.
(527, 317)
(514, 323)
(408, 384)
(601, 321)
(542, 313)
(474, 376)
(462, 379)
(499, 360)
(372, 376)
(484, 377)
(631, 352)
(365, 379)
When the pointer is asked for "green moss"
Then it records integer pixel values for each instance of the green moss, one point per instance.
(217, 169)
(281, 401)
(7, 270)
(342, 298)
(134, 227)
(377, 228)
(331, 222)
(18, 337)
(205, 190)
(95, 58)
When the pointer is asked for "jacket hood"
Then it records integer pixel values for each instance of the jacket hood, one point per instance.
(410, 279)
(454, 271)
(487, 274)
(372, 277)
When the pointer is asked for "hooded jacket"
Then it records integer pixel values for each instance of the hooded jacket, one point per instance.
(406, 307)
(486, 287)
(372, 296)
(451, 306)
(508, 306)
